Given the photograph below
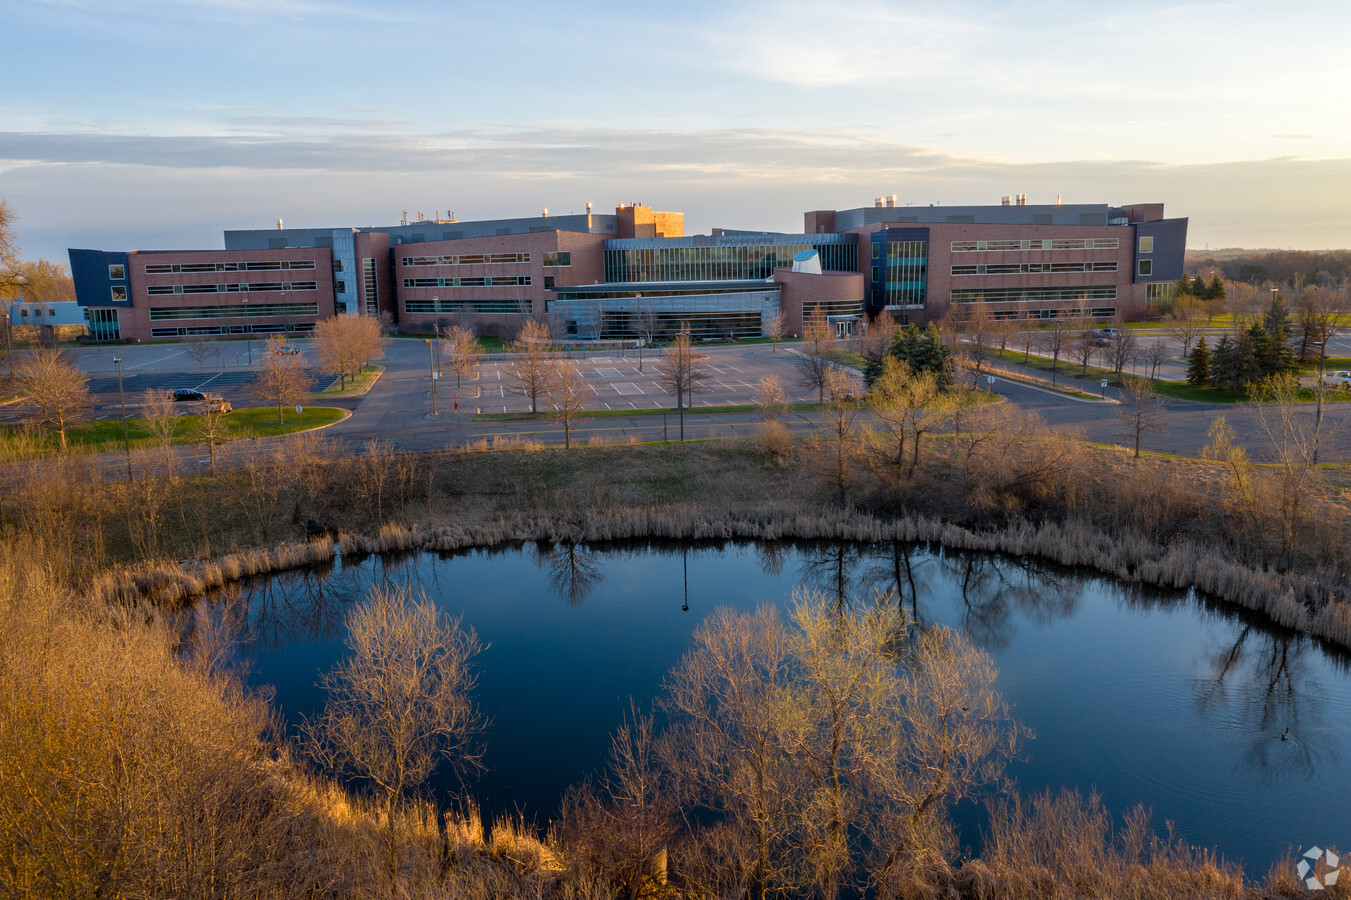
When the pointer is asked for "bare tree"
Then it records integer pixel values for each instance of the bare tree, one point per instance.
(907, 405)
(462, 350)
(770, 399)
(775, 329)
(1083, 345)
(399, 704)
(211, 428)
(1141, 410)
(1122, 351)
(1054, 340)
(981, 340)
(466, 317)
(1155, 355)
(159, 413)
(1186, 321)
(347, 344)
(831, 743)
(813, 362)
(53, 384)
(531, 363)
(282, 378)
(841, 409)
(680, 370)
(199, 349)
(1295, 436)
(1323, 315)
(568, 394)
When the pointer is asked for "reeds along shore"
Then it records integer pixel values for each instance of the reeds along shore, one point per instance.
(1162, 526)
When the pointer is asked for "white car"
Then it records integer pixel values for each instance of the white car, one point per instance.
(1338, 379)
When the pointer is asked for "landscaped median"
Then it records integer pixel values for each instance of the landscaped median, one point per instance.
(356, 385)
(105, 435)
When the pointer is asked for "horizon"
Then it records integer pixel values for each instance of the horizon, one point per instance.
(157, 125)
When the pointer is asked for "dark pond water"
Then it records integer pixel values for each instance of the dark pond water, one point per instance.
(1146, 696)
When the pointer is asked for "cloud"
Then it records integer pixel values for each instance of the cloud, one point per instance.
(138, 191)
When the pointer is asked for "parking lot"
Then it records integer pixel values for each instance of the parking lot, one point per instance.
(733, 378)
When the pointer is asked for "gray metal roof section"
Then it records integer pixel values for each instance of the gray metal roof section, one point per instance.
(420, 232)
(764, 239)
(1080, 214)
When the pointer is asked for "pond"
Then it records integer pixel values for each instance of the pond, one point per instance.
(1143, 695)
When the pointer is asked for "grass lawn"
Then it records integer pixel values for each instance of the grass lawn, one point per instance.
(106, 434)
(358, 385)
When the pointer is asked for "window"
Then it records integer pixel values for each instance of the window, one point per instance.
(119, 294)
(548, 282)
(561, 258)
(340, 287)
(1147, 245)
(337, 265)
(1145, 268)
(23, 312)
(117, 272)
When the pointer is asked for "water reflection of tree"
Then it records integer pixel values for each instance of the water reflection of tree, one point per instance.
(306, 604)
(992, 586)
(832, 567)
(1262, 678)
(574, 570)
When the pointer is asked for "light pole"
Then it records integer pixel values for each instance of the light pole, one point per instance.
(642, 328)
(126, 439)
(431, 366)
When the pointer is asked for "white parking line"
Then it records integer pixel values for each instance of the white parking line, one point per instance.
(728, 386)
(735, 369)
(153, 361)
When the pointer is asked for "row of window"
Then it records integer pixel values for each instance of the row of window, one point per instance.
(1035, 268)
(473, 259)
(1057, 312)
(266, 265)
(191, 330)
(256, 287)
(906, 274)
(736, 263)
(476, 281)
(1035, 294)
(1045, 244)
(241, 311)
(448, 305)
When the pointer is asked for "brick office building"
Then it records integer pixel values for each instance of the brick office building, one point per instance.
(617, 276)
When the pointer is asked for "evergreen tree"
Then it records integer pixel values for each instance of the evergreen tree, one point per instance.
(1216, 290)
(1183, 288)
(922, 349)
(1199, 288)
(1233, 366)
(1222, 363)
(1271, 340)
(1198, 365)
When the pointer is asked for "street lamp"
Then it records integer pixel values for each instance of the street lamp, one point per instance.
(126, 439)
(431, 365)
(642, 328)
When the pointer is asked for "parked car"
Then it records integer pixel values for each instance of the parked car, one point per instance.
(289, 351)
(188, 395)
(218, 404)
(1107, 333)
(1338, 379)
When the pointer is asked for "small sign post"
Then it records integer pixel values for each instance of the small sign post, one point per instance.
(1104, 389)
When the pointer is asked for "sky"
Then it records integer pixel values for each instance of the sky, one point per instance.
(144, 124)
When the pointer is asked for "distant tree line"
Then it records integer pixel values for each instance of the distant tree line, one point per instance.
(1292, 268)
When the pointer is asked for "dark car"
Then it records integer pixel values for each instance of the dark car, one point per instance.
(188, 394)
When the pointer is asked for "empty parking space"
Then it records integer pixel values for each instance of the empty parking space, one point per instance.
(626, 382)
